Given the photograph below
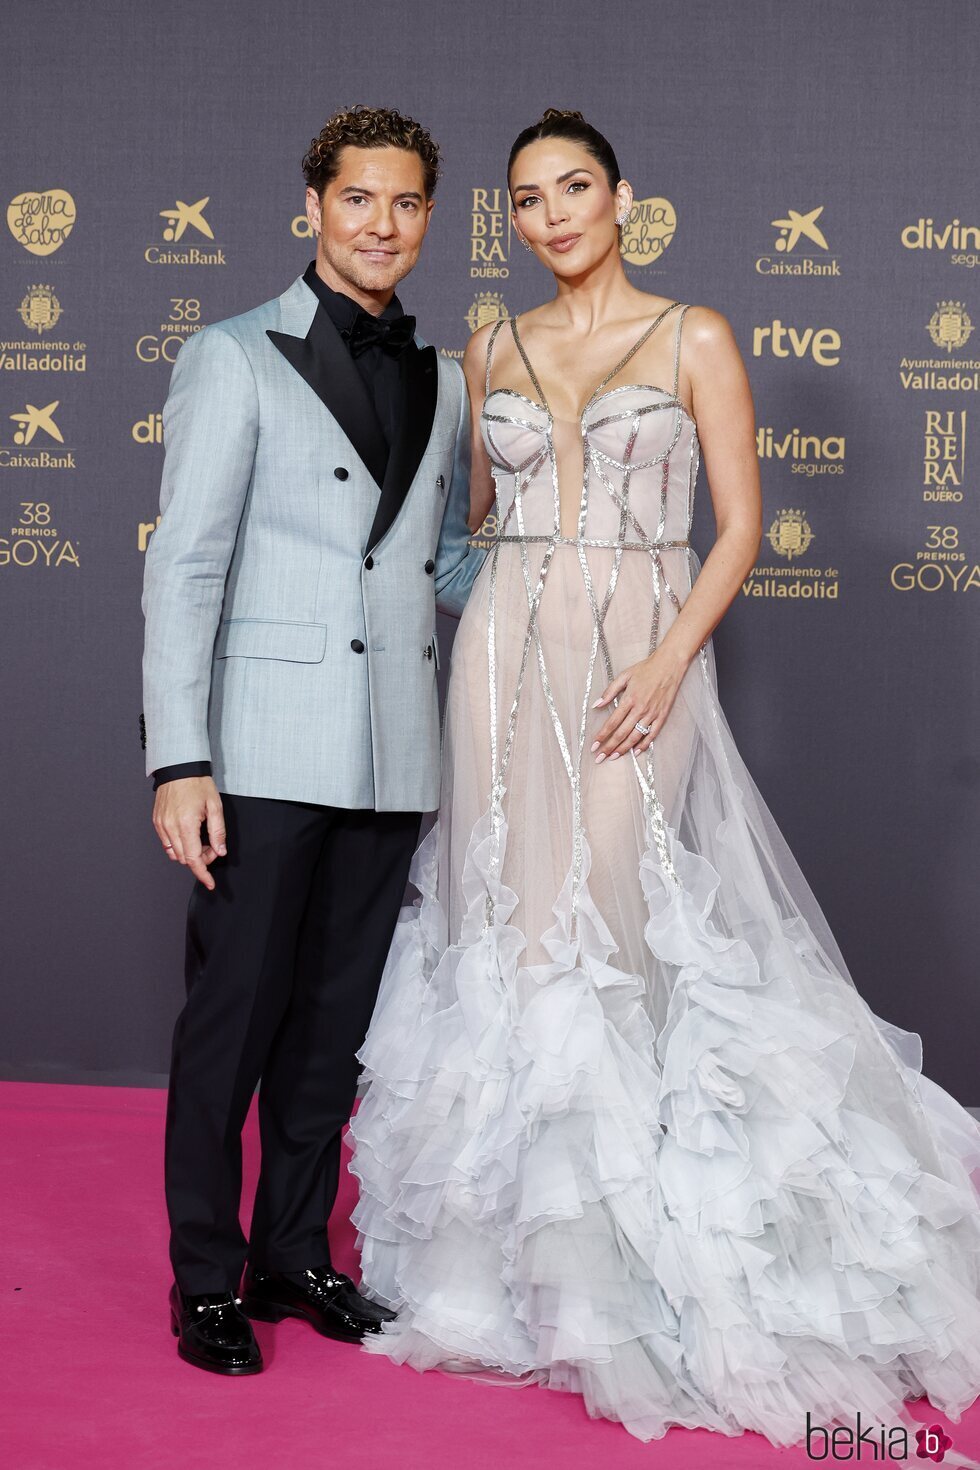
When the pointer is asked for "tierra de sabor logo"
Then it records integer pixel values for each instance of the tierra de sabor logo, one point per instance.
(179, 249)
(822, 344)
(790, 537)
(41, 220)
(792, 254)
(944, 455)
(648, 231)
(36, 429)
(40, 311)
(949, 328)
(805, 454)
(34, 540)
(941, 565)
(960, 240)
(183, 320)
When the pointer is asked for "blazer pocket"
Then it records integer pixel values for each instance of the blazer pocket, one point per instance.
(302, 643)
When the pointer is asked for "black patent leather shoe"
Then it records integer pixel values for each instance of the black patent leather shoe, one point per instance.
(213, 1333)
(325, 1298)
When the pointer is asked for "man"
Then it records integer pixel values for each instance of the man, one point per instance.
(314, 499)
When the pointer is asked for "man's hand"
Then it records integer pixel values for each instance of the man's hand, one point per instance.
(180, 809)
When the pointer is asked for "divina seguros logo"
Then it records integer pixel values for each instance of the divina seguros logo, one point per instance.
(962, 242)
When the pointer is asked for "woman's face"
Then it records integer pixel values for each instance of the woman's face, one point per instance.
(563, 205)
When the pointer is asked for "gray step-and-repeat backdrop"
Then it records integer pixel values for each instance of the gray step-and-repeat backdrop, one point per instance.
(803, 167)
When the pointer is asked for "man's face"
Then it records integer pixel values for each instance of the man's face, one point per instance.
(370, 222)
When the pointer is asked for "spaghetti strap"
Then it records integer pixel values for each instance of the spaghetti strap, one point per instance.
(647, 332)
(490, 341)
(677, 350)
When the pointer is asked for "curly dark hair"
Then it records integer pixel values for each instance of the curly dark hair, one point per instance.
(368, 127)
(556, 122)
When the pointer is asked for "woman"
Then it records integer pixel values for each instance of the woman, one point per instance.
(629, 1129)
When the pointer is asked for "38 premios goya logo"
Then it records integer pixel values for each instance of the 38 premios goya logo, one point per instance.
(35, 543)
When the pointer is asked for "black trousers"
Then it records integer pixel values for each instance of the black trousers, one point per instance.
(283, 964)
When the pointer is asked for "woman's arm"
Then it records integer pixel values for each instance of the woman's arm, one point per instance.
(725, 415)
(482, 490)
(719, 385)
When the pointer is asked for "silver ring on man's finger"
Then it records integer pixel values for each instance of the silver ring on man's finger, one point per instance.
(168, 847)
(643, 729)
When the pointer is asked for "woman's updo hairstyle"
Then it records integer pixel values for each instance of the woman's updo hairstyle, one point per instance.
(556, 123)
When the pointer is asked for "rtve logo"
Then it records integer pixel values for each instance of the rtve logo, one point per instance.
(820, 343)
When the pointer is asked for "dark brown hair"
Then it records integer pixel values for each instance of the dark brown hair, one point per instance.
(555, 123)
(368, 127)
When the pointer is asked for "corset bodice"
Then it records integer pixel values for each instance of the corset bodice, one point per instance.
(624, 472)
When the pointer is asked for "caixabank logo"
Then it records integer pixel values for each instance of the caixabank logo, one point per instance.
(29, 444)
(184, 226)
(800, 247)
(41, 219)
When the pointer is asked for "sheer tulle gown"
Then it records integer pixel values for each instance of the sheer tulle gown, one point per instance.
(628, 1128)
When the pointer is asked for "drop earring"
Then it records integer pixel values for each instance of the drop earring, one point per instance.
(622, 217)
(525, 243)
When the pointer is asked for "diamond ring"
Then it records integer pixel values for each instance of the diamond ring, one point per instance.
(643, 729)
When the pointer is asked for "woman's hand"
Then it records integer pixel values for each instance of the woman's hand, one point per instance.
(646, 691)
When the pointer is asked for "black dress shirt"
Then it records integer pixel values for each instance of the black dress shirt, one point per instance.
(381, 376)
(379, 371)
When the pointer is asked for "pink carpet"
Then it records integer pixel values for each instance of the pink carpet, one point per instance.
(91, 1377)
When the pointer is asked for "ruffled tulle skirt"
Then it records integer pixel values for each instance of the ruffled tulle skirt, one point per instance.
(627, 1127)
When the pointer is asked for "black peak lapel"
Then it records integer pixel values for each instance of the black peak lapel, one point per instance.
(420, 390)
(321, 358)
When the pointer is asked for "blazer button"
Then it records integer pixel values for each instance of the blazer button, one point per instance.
(369, 563)
(430, 567)
(357, 645)
(341, 473)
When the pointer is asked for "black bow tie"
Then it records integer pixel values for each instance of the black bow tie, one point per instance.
(392, 335)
